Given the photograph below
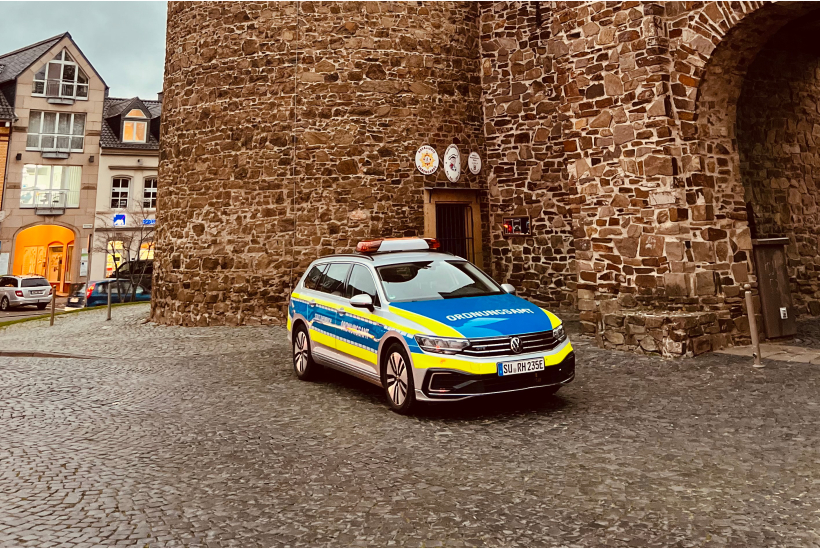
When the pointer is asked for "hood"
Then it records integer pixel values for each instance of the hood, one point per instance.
(487, 316)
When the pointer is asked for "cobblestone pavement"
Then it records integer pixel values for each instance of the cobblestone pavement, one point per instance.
(808, 334)
(203, 436)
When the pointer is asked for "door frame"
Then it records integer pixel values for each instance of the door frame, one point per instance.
(468, 197)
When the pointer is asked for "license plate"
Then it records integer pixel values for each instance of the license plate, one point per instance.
(520, 366)
(37, 292)
(74, 300)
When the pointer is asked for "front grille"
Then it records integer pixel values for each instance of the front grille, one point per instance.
(489, 347)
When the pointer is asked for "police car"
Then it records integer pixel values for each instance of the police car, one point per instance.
(424, 325)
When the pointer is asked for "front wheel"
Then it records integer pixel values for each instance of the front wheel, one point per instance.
(303, 363)
(4, 304)
(397, 380)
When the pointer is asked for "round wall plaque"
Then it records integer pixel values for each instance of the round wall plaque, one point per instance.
(426, 159)
(474, 162)
(452, 163)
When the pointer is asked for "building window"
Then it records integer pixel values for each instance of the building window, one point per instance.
(147, 250)
(114, 259)
(55, 131)
(50, 186)
(119, 192)
(149, 193)
(61, 77)
(135, 131)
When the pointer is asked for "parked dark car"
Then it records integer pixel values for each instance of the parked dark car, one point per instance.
(95, 294)
(143, 268)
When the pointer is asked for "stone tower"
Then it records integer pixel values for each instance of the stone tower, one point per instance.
(290, 132)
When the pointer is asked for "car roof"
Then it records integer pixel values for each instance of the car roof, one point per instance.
(391, 258)
(26, 276)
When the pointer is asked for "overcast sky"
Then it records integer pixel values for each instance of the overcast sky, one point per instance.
(125, 41)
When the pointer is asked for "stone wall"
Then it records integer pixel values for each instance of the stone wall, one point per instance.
(289, 132)
(778, 135)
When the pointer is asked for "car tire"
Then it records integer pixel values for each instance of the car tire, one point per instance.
(303, 364)
(397, 380)
(41, 306)
(4, 304)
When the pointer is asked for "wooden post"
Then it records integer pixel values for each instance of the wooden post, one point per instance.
(108, 287)
(750, 312)
(53, 304)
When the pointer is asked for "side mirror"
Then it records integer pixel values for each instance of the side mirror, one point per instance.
(509, 288)
(363, 301)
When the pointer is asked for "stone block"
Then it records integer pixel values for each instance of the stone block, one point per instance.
(703, 252)
(616, 338)
(652, 245)
(674, 250)
(711, 233)
(740, 272)
(676, 284)
(627, 247)
(705, 283)
(623, 133)
(702, 344)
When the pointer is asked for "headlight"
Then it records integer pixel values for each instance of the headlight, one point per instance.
(558, 333)
(447, 346)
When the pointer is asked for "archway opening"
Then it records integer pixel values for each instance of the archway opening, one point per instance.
(778, 141)
(45, 250)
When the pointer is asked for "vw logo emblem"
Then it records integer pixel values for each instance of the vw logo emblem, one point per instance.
(515, 345)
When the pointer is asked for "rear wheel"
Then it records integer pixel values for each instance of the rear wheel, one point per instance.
(397, 380)
(303, 363)
(4, 304)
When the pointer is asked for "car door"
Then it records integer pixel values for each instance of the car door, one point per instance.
(330, 309)
(360, 329)
(7, 284)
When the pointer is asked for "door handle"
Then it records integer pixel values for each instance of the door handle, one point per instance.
(341, 312)
(312, 303)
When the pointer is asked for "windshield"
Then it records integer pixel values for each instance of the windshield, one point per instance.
(438, 279)
(34, 282)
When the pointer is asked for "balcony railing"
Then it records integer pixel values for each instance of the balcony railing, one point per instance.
(54, 201)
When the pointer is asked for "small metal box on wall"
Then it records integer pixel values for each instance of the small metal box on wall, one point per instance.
(773, 285)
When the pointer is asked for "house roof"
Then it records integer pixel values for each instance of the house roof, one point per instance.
(17, 61)
(114, 110)
(6, 111)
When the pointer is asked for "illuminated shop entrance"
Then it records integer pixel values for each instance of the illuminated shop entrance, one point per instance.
(45, 250)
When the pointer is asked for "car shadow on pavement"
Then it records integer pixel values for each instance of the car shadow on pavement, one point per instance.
(533, 401)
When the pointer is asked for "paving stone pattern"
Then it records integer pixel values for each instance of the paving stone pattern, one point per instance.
(205, 437)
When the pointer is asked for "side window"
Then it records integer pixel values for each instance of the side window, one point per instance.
(8, 282)
(361, 282)
(314, 276)
(334, 280)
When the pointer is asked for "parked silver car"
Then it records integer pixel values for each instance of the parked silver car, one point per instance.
(16, 291)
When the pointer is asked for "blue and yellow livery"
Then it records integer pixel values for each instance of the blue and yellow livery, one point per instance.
(424, 325)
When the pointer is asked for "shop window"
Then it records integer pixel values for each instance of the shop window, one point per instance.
(147, 250)
(54, 131)
(120, 187)
(50, 186)
(61, 77)
(114, 256)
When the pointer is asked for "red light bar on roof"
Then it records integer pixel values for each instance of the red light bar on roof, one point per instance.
(411, 244)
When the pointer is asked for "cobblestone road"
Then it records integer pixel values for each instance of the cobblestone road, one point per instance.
(203, 436)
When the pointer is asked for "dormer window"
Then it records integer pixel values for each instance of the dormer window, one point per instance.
(135, 128)
(62, 78)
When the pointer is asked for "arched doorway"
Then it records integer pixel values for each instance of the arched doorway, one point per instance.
(45, 250)
(750, 152)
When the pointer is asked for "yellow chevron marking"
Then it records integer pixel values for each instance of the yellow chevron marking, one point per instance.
(434, 327)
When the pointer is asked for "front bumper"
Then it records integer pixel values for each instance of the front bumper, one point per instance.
(441, 384)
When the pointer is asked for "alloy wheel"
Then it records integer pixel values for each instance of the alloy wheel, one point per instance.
(397, 378)
(300, 352)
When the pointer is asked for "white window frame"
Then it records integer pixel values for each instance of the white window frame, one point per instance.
(70, 136)
(71, 200)
(119, 190)
(63, 59)
(135, 122)
(148, 198)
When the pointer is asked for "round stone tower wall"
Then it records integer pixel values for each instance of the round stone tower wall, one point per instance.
(289, 132)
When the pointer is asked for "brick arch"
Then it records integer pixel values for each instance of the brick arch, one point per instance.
(724, 40)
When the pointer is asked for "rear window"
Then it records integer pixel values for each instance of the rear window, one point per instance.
(77, 290)
(34, 282)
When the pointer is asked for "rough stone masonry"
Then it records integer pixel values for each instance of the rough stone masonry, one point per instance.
(648, 143)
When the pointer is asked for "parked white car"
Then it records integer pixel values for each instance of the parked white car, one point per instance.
(16, 291)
